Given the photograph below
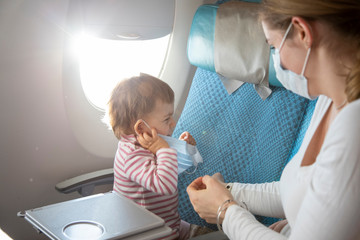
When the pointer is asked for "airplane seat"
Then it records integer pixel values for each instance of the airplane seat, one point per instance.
(240, 135)
(247, 130)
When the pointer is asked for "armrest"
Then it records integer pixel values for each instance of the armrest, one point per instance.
(85, 184)
(211, 236)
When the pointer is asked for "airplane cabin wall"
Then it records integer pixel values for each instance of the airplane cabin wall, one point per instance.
(38, 147)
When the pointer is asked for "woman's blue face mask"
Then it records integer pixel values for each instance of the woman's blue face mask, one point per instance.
(296, 83)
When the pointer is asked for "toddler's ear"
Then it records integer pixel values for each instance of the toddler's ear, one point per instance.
(138, 127)
(142, 127)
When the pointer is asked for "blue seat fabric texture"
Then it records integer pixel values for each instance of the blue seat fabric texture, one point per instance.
(200, 48)
(243, 137)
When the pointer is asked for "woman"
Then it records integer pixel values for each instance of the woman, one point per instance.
(317, 53)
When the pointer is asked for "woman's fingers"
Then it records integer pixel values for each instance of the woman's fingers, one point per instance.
(206, 195)
(197, 184)
(196, 191)
(278, 226)
(272, 226)
(218, 177)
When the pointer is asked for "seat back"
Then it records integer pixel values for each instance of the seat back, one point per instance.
(240, 135)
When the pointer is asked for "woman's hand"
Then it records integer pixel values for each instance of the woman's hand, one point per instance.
(218, 176)
(278, 226)
(186, 136)
(206, 195)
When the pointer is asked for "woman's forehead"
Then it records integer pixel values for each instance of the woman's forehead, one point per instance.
(272, 35)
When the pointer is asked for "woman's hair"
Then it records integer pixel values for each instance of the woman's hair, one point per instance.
(342, 17)
(133, 98)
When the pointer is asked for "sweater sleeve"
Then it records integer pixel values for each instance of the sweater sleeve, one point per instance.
(157, 174)
(240, 224)
(261, 199)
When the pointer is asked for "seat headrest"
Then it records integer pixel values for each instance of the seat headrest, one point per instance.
(228, 39)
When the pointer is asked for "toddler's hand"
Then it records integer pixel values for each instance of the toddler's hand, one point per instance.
(152, 143)
(186, 136)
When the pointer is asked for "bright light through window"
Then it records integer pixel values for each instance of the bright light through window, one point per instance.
(105, 62)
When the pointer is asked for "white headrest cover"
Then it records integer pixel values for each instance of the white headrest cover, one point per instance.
(241, 53)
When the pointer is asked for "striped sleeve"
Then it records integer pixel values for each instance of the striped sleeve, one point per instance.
(155, 173)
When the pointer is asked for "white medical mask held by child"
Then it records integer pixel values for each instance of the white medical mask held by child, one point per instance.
(294, 82)
(187, 155)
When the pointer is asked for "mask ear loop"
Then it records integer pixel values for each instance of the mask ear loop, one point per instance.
(284, 38)
(306, 60)
(146, 124)
(192, 172)
(307, 54)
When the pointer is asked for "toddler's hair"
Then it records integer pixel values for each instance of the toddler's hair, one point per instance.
(133, 98)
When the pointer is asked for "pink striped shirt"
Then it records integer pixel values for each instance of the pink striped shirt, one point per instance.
(149, 180)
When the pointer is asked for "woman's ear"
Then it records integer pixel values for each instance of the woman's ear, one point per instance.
(304, 31)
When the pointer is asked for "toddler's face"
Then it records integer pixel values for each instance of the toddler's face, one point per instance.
(161, 118)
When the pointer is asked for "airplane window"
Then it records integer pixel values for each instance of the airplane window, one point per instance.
(4, 236)
(103, 62)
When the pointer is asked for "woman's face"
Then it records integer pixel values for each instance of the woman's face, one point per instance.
(292, 53)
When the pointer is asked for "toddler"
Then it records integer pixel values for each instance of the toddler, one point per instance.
(145, 168)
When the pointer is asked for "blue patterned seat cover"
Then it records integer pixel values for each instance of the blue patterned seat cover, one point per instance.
(239, 135)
